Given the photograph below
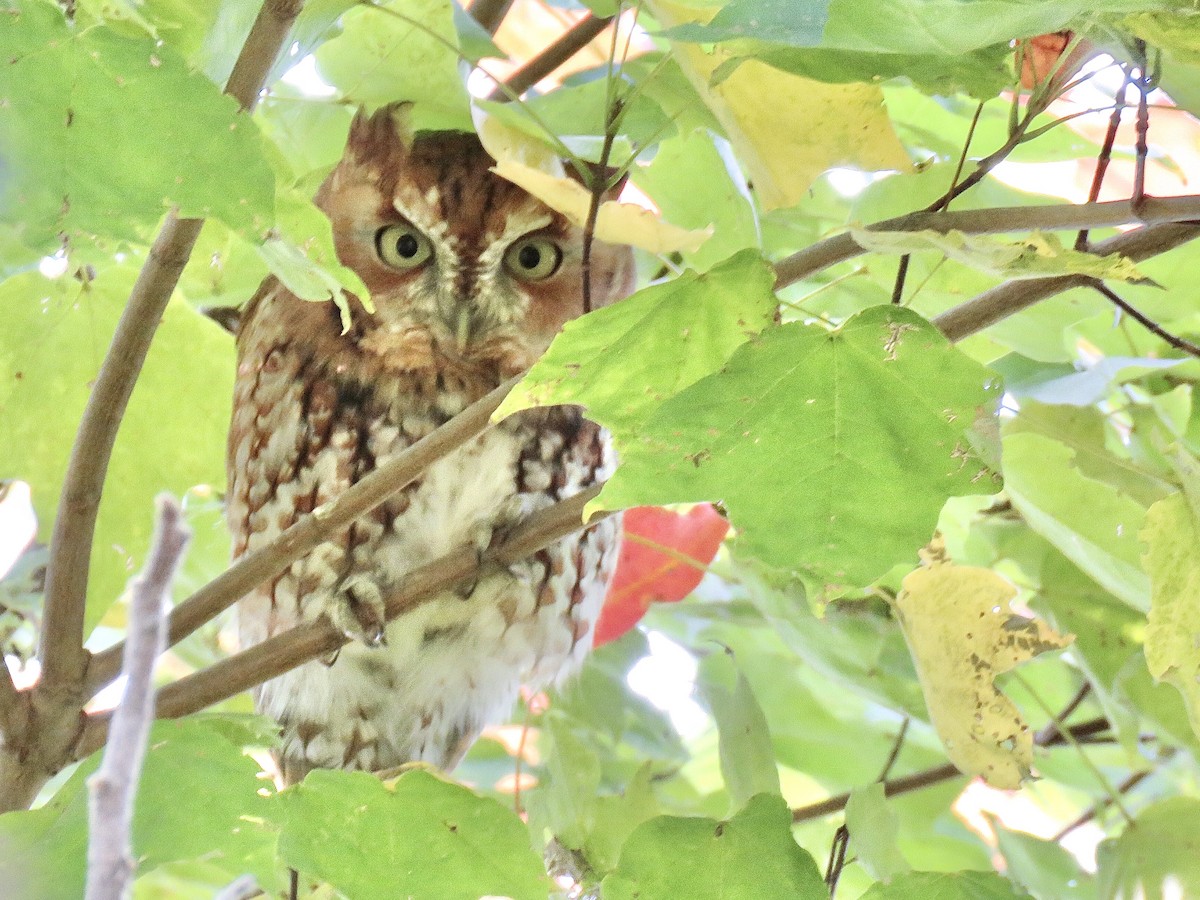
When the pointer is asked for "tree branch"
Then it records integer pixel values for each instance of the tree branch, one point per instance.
(56, 701)
(61, 650)
(1013, 296)
(359, 499)
(1060, 217)
(310, 640)
(262, 46)
(571, 42)
(114, 786)
(490, 13)
(935, 775)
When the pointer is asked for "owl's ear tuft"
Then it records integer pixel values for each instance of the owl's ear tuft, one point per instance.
(382, 134)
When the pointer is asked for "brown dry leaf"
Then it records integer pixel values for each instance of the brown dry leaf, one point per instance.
(962, 634)
(787, 130)
(534, 167)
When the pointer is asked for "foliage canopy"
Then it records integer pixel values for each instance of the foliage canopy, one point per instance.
(784, 359)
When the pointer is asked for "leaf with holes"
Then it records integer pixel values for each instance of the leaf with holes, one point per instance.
(833, 451)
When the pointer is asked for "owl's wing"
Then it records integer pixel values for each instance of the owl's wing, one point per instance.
(285, 456)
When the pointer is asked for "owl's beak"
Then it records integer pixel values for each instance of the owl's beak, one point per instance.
(462, 330)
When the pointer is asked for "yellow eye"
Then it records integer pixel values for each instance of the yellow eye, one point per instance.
(533, 259)
(401, 246)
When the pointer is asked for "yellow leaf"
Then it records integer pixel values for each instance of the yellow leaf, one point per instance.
(787, 130)
(530, 164)
(1173, 632)
(962, 634)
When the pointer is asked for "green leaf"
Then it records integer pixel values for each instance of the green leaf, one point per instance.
(45, 850)
(750, 857)
(1043, 867)
(82, 105)
(949, 27)
(945, 886)
(564, 803)
(402, 50)
(617, 817)
(1157, 856)
(782, 21)
(1173, 632)
(622, 361)
(172, 437)
(1093, 524)
(1089, 386)
(834, 450)
(747, 760)
(423, 838)
(1034, 256)
(874, 827)
(982, 73)
(696, 182)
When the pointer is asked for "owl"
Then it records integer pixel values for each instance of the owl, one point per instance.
(471, 278)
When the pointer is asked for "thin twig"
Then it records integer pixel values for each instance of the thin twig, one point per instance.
(1142, 319)
(1104, 803)
(1104, 157)
(114, 786)
(265, 563)
(1054, 726)
(929, 777)
(895, 754)
(307, 641)
(1011, 297)
(1057, 217)
(571, 42)
(837, 858)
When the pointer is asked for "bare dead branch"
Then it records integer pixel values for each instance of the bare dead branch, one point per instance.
(265, 563)
(490, 13)
(113, 787)
(572, 41)
(298, 645)
(1013, 296)
(1064, 217)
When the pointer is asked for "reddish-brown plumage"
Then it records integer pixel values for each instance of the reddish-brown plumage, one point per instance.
(315, 409)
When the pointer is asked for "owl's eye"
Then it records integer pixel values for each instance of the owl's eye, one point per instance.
(401, 246)
(533, 259)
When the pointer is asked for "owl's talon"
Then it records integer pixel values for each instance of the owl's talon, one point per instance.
(358, 612)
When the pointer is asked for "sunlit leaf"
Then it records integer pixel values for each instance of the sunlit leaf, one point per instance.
(424, 837)
(89, 148)
(843, 124)
(816, 441)
(1173, 634)
(750, 857)
(1157, 856)
(963, 635)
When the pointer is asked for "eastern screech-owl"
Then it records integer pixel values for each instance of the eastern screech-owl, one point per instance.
(471, 278)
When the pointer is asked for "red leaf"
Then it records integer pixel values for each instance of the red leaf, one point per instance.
(645, 574)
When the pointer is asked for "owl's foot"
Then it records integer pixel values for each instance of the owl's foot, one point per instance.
(357, 610)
